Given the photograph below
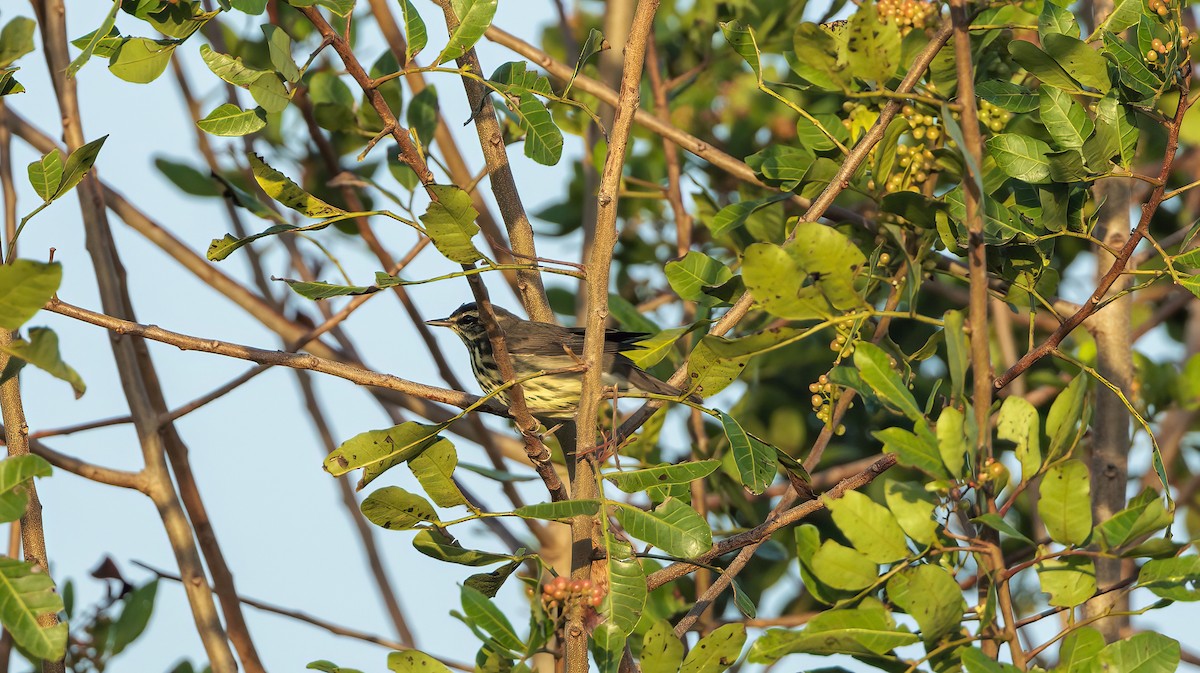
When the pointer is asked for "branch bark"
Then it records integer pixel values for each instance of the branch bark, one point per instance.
(33, 535)
(583, 528)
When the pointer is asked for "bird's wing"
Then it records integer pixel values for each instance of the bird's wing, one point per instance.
(555, 340)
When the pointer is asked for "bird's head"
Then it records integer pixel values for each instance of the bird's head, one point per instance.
(468, 324)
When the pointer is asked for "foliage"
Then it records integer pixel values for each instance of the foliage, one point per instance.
(855, 308)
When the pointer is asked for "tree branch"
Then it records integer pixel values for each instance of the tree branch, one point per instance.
(599, 264)
(1122, 258)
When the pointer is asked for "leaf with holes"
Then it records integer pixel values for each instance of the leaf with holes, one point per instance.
(281, 188)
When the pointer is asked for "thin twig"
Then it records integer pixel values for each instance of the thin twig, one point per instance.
(335, 629)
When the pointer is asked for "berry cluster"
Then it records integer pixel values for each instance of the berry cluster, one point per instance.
(906, 14)
(561, 591)
(924, 126)
(916, 164)
(1158, 7)
(993, 117)
(825, 394)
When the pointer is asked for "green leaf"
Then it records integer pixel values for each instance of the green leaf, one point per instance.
(1125, 14)
(875, 368)
(141, 60)
(27, 592)
(78, 165)
(423, 114)
(651, 351)
(439, 546)
(997, 523)
(376, 451)
(817, 57)
(484, 614)
(450, 222)
(1176, 579)
(394, 508)
(717, 651)
(634, 481)
(1078, 651)
(434, 469)
(1064, 421)
(1020, 157)
(554, 511)
(842, 567)
(414, 661)
(474, 18)
(281, 188)
(952, 441)
(594, 44)
(913, 508)
(187, 179)
(414, 30)
(931, 596)
(1070, 580)
(1055, 20)
(673, 527)
(279, 46)
(754, 459)
(1011, 97)
(230, 120)
(690, 275)
(489, 583)
(1146, 652)
(16, 40)
(1065, 506)
(25, 287)
(14, 473)
(812, 276)
(1145, 514)
(869, 526)
(99, 34)
(781, 166)
(1041, 65)
(543, 139)
(270, 93)
(41, 351)
(45, 174)
(8, 83)
(1133, 71)
(958, 352)
(323, 665)
(662, 652)
(735, 215)
(741, 38)
(868, 630)
(913, 451)
(872, 47)
(105, 47)
(1018, 423)
(1065, 119)
(626, 597)
(1084, 64)
(230, 69)
(138, 606)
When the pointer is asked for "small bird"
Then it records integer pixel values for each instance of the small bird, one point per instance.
(538, 346)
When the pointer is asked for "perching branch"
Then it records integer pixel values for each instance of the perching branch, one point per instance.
(599, 265)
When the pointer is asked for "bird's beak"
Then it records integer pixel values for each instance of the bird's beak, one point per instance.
(443, 322)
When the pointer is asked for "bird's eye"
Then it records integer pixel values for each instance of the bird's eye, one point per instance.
(467, 320)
